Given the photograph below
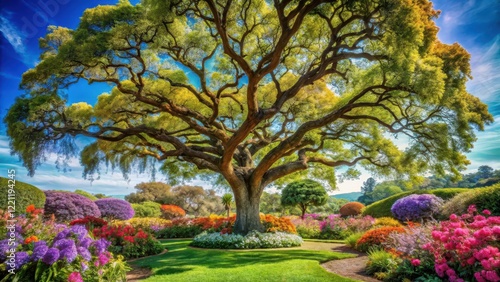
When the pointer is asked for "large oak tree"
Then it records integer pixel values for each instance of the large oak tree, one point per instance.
(252, 91)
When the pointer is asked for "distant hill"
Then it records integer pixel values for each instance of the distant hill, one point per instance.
(353, 196)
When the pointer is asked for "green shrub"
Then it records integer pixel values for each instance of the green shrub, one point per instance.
(25, 195)
(381, 263)
(179, 231)
(382, 208)
(484, 198)
(308, 232)
(352, 239)
(86, 194)
(147, 209)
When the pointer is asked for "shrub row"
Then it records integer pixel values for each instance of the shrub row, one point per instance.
(252, 240)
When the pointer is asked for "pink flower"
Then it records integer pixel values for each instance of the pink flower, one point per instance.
(75, 277)
(486, 212)
(461, 232)
(415, 262)
(472, 209)
(454, 217)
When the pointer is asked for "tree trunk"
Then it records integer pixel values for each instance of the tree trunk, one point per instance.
(228, 211)
(247, 213)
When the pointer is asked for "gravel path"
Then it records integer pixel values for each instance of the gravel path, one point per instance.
(353, 268)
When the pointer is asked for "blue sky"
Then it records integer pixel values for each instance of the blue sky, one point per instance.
(473, 24)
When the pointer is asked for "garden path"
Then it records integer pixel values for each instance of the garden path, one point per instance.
(353, 268)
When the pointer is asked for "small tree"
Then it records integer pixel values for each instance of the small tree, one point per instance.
(304, 193)
(227, 199)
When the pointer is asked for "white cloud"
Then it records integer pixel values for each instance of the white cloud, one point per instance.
(485, 63)
(11, 33)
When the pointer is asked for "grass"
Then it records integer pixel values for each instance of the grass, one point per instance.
(182, 263)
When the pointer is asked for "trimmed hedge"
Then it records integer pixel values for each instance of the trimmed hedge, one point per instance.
(351, 209)
(26, 194)
(382, 208)
(484, 198)
(147, 209)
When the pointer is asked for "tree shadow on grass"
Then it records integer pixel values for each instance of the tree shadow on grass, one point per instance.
(181, 258)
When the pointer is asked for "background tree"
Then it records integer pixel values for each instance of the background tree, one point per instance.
(227, 200)
(384, 190)
(332, 206)
(275, 89)
(270, 203)
(367, 189)
(100, 196)
(485, 171)
(151, 191)
(303, 194)
(190, 198)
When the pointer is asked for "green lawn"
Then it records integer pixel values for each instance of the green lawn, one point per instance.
(182, 263)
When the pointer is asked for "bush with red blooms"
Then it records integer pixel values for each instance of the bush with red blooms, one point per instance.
(90, 222)
(172, 211)
(351, 209)
(129, 241)
(466, 248)
(376, 237)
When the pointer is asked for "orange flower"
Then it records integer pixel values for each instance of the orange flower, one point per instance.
(30, 239)
(31, 208)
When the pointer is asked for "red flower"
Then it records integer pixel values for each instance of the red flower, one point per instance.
(31, 208)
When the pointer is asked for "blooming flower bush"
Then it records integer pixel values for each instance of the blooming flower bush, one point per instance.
(67, 206)
(68, 254)
(89, 222)
(128, 241)
(376, 237)
(148, 224)
(416, 207)
(252, 240)
(112, 208)
(466, 247)
(172, 211)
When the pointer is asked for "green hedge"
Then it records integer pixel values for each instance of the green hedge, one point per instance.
(86, 194)
(147, 209)
(484, 198)
(25, 195)
(382, 208)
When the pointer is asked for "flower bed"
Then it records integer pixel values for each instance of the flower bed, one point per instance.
(252, 240)
(332, 227)
(58, 253)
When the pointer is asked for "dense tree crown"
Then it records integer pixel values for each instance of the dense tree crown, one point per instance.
(252, 91)
(303, 194)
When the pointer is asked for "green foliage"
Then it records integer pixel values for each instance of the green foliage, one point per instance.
(25, 195)
(352, 239)
(382, 208)
(152, 191)
(179, 231)
(332, 206)
(304, 193)
(484, 198)
(381, 261)
(147, 209)
(86, 194)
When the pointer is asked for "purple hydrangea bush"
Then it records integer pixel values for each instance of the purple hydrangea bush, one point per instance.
(115, 208)
(416, 207)
(67, 206)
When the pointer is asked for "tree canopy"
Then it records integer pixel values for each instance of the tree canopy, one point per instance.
(252, 91)
(303, 194)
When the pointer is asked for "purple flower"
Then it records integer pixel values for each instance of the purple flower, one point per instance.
(68, 206)
(79, 231)
(101, 245)
(67, 249)
(85, 243)
(62, 235)
(39, 250)
(84, 253)
(416, 206)
(103, 258)
(84, 266)
(4, 248)
(51, 256)
(75, 277)
(21, 259)
(115, 208)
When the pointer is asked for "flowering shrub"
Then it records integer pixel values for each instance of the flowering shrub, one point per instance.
(274, 224)
(376, 237)
(252, 240)
(386, 221)
(336, 227)
(351, 209)
(148, 224)
(129, 241)
(172, 211)
(67, 206)
(466, 247)
(307, 227)
(89, 222)
(416, 207)
(69, 255)
(115, 208)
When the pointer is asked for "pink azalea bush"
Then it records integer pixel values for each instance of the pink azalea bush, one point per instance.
(465, 248)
